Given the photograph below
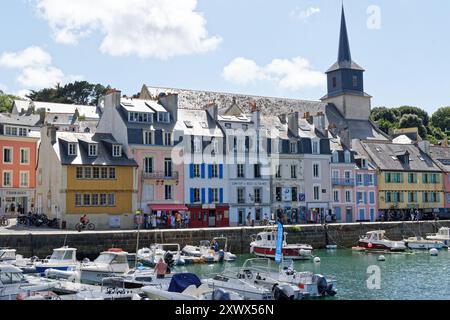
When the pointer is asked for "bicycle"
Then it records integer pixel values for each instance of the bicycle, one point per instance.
(4, 222)
(83, 226)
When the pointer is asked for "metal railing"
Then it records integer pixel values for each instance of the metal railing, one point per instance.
(161, 175)
(343, 182)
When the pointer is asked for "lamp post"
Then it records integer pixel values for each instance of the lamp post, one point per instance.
(139, 216)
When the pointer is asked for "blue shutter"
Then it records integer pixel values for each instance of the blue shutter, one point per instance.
(210, 195)
(221, 171)
(192, 195)
(209, 171)
(203, 196)
(221, 195)
(203, 171)
(192, 170)
(337, 212)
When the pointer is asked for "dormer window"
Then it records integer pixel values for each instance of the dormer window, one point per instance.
(347, 157)
(335, 157)
(93, 150)
(164, 117)
(117, 151)
(293, 147)
(72, 150)
(149, 137)
(315, 147)
(168, 138)
(140, 117)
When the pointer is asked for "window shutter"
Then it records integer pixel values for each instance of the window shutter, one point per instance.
(221, 195)
(203, 171)
(203, 196)
(192, 170)
(209, 171)
(192, 195)
(210, 197)
(221, 171)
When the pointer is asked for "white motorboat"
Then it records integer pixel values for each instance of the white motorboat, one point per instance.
(63, 259)
(8, 256)
(151, 256)
(376, 240)
(264, 245)
(419, 243)
(15, 286)
(110, 263)
(206, 251)
(442, 235)
(254, 282)
(187, 286)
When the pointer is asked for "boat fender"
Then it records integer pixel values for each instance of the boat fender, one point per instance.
(317, 260)
(434, 252)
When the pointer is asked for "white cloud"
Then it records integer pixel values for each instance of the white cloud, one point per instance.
(303, 15)
(22, 93)
(292, 74)
(35, 68)
(147, 28)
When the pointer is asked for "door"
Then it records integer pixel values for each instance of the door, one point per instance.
(362, 214)
(349, 215)
(212, 218)
(337, 213)
(168, 168)
(372, 215)
(241, 217)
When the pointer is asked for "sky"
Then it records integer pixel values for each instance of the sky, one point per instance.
(258, 47)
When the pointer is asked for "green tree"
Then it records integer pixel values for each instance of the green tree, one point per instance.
(422, 114)
(441, 119)
(386, 126)
(413, 121)
(6, 102)
(384, 113)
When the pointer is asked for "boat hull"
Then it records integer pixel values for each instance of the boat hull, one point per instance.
(41, 269)
(95, 276)
(293, 254)
(381, 246)
(424, 245)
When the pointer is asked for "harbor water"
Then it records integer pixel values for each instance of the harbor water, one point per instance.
(403, 276)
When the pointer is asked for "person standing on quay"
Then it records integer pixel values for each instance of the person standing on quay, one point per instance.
(161, 269)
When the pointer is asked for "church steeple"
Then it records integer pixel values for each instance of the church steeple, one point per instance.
(344, 45)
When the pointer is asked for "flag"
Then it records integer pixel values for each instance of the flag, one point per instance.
(279, 249)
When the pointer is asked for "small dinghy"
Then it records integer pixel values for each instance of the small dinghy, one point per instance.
(419, 243)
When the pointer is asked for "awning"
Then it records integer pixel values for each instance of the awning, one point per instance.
(168, 207)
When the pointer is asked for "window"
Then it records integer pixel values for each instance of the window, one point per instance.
(355, 81)
(315, 147)
(316, 193)
(316, 171)
(167, 138)
(196, 194)
(163, 117)
(96, 173)
(197, 171)
(103, 200)
(257, 170)
(72, 150)
(87, 200)
(412, 178)
(93, 150)
(168, 168)
(95, 199)
(215, 195)
(117, 151)
(336, 197)
(278, 172)
(24, 179)
(149, 137)
(168, 192)
(87, 173)
(257, 195)
(79, 172)
(412, 197)
(334, 82)
(8, 155)
(104, 172)
(294, 192)
(347, 157)
(78, 200)
(293, 147)
(24, 156)
(197, 145)
(370, 180)
(241, 195)
(293, 172)
(240, 171)
(214, 171)
(279, 194)
(112, 173)
(348, 196)
(15, 131)
(7, 178)
(111, 200)
(335, 158)
(148, 165)
(372, 197)
(359, 179)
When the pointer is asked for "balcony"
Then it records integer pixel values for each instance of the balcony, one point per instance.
(343, 182)
(161, 175)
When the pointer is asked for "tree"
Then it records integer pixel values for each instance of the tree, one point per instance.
(386, 126)
(6, 102)
(413, 121)
(384, 113)
(441, 119)
(422, 114)
(79, 92)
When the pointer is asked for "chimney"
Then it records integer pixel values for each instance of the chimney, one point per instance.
(170, 103)
(51, 133)
(424, 146)
(213, 110)
(42, 116)
(256, 114)
(283, 118)
(112, 98)
(293, 123)
(319, 122)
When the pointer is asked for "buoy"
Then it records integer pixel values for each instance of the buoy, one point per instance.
(381, 258)
(434, 252)
(370, 245)
(316, 260)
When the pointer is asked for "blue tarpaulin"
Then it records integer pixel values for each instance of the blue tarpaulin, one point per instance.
(182, 281)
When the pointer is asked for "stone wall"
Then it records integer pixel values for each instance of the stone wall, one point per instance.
(90, 244)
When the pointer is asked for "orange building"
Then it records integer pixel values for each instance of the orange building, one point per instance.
(19, 138)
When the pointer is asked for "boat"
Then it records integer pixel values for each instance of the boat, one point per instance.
(254, 282)
(151, 256)
(264, 245)
(376, 240)
(63, 259)
(419, 243)
(15, 286)
(442, 235)
(187, 286)
(8, 256)
(206, 252)
(108, 264)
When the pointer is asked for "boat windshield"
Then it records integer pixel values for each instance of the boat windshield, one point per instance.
(11, 278)
(61, 255)
(105, 258)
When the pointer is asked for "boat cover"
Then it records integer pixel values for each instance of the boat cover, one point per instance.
(182, 281)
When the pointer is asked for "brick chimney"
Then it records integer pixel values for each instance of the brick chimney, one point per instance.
(293, 123)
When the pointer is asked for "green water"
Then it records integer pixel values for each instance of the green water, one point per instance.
(417, 276)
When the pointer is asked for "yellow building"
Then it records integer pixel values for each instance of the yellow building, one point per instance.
(81, 173)
(407, 178)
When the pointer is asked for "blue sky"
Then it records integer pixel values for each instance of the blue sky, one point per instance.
(271, 48)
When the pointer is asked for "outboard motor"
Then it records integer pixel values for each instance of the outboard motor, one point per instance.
(221, 295)
(168, 259)
(281, 293)
(322, 284)
(221, 256)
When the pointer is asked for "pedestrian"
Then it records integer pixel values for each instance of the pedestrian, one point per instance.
(146, 221)
(154, 225)
(249, 219)
(172, 220)
(178, 220)
(186, 219)
(161, 269)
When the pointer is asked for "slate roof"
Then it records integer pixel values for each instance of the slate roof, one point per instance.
(23, 121)
(441, 155)
(201, 123)
(90, 112)
(104, 157)
(384, 156)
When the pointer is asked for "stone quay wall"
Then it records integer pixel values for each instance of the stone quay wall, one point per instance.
(90, 244)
